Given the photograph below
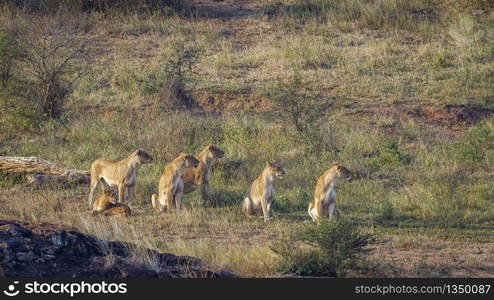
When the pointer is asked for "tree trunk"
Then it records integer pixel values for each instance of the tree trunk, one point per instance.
(44, 171)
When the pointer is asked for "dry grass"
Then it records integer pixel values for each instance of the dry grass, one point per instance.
(427, 188)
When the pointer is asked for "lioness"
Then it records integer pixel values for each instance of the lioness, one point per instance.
(324, 204)
(122, 173)
(201, 174)
(106, 203)
(260, 194)
(171, 185)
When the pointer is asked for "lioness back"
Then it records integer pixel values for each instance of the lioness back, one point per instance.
(119, 209)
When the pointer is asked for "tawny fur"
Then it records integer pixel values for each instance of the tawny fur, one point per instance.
(106, 204)
(122, 174)
(201, 174)
(260, 195)
(324, 204)
(171, 186)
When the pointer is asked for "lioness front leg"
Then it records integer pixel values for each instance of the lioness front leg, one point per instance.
(170, 199)
(94, 185)
(204, 192)
(265, 210)
(130, 194)
(332, 210)
(121, 192)
(269, 203)
(178, 196)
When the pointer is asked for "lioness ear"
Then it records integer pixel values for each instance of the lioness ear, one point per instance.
(139, 152)
(267, 163)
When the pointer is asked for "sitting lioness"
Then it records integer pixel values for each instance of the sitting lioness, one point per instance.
(324, 204)
(171, 185)
(201, 174)
(106, 204)
(260, 195)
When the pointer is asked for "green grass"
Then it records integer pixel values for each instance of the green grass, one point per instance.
(412, 180)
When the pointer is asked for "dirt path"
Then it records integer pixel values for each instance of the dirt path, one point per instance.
(226, 10)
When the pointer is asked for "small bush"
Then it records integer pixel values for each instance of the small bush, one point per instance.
(173, 96)
(9, 53)
(385, 212)
(390, 156)
(298, 104)
(325, 249)
(223, 198)
(303, 108)
(284, 203)
(41, 57)
(475, 145)
(9, 179)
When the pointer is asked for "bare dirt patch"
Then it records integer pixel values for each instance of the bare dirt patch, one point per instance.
(432, 257)
(448, 116)
(229, 102)
(224, 10)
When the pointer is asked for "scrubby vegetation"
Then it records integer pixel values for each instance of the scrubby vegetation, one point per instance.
(325, 249)
(305, 83)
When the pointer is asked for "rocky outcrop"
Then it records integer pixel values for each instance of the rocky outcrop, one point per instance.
(47, 250)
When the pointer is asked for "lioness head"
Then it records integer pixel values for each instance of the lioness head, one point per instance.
(107, 190)
(144, 157)
(342, 172)
(275, 169)
(190, 161)
(215, 152)
(108, 196)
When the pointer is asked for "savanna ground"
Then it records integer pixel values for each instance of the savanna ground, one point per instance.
(411, 85)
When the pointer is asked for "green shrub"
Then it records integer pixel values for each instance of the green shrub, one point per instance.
(299, 203)
(9, 53)
(390, 156)
(385, 212)
(217, 198)
(11, 179)
(298, 104)
(476, 144)
(325, 249)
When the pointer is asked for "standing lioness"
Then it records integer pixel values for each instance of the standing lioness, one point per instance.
(260, 194)
(171, 186)
(122, 173)
(201, 174)
(324, 204)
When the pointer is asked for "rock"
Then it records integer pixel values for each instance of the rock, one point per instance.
(25, 256)
(47, 250)
(17, 230)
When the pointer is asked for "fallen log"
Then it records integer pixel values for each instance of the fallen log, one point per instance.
(43, 171)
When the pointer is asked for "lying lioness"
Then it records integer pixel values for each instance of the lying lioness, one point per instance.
(106, 204)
